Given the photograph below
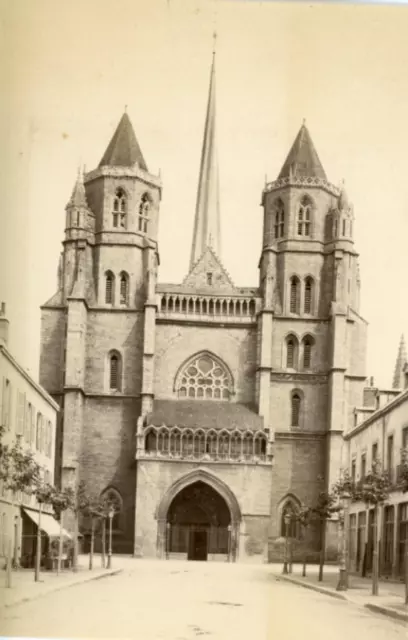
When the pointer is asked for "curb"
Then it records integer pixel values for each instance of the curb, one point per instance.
(36, 596)
(313, 587)
(387, 611)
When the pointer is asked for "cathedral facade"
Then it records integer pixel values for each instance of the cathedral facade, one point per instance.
(207, 409)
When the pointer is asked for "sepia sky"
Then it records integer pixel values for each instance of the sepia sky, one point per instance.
(69, 68)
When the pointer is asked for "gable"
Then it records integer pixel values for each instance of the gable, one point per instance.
(208, 265)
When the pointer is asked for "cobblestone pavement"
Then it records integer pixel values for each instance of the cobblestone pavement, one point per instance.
(152, 600)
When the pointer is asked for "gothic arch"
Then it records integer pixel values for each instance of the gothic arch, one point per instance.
(203, 354)
(190, 478)
(289, 501)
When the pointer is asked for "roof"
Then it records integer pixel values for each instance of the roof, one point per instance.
(302, 159)
(78, 197)
(123, 150)
(204, 414)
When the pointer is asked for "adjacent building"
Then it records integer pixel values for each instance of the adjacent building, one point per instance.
(380, 436)
(27, 412)
(207, 408)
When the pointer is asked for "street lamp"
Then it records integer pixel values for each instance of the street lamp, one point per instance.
(286, 519)
(110, 516)
(342, 584)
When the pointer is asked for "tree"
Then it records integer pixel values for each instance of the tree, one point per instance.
(374, 490)
(324, 508)
(62, 500)
(19, 472)
(95, 510)
(44, 493)
(304, 516)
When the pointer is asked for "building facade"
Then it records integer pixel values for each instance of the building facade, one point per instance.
(381, 437)
(30, 414)
(207, 408)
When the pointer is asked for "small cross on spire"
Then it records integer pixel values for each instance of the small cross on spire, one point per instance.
(125, 108)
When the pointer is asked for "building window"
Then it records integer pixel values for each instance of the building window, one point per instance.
(374, 454)
(353, 471)
(124, 288)
(144, 210)
(308, 295)
(307, 352)
(390, 454)
(344, 227)
(304, 217)
(291, 352)
(6, 403)
(115, 372)
(32, 426)
(363, 466)
(119, 209)
(294, 294)
(279, 227)
(109, 287)
(205, 378)
(209, 278)
(296, 402)
(38, 432)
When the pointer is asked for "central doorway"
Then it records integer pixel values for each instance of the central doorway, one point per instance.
(198, 523)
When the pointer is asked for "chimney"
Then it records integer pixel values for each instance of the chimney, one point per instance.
(371, 381)
(4, 325)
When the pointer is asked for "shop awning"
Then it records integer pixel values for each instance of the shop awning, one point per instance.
(48, 524)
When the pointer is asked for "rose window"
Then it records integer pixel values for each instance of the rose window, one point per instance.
(205, 378)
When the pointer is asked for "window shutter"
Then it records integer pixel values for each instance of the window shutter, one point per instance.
(20, 414)
(3, 402)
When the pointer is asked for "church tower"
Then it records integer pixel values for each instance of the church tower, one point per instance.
(97, 341)
(312, 338)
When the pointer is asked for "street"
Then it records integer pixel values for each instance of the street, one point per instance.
(174, 600)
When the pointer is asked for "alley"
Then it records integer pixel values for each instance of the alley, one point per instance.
(182, 601)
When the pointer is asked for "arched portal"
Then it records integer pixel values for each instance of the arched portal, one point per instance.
(198, 517)
(199, 520)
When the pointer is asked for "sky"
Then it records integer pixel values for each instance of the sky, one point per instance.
(69, 68)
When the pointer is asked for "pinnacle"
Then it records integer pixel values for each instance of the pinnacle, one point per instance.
(302, 159)
(123, 149)
(402, 360)
(78, 196)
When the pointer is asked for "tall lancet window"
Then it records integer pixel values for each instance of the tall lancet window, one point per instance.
(119, 209)
(304, 220)
(294, 295)
(296, 402)
(124, 288)
(109, 287)
(308, 301)
(144, 212)
(279, 219)
(115, 366)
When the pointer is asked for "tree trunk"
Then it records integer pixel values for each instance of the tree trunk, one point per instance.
(75, 559)
(39, 549)
(322, 547)
(59, 561)
(9, 559)
(92, 544)
(103, 542)
(375, 552)
(406, 570)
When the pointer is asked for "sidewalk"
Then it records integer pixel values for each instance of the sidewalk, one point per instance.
(25, 589)
(390, 600)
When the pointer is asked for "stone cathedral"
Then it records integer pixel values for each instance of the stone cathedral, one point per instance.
(208, 410)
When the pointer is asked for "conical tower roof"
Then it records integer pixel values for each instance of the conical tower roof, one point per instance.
(302, 159)
(123, 150)
(398, 380)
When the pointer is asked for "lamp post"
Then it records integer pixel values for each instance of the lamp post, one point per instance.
(286, 519)
(110, 516)
(342, 584)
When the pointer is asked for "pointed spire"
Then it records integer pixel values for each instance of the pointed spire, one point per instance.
(302, 159)
(207, 230)
(123, 149)
(78, 196)
(398, 380)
